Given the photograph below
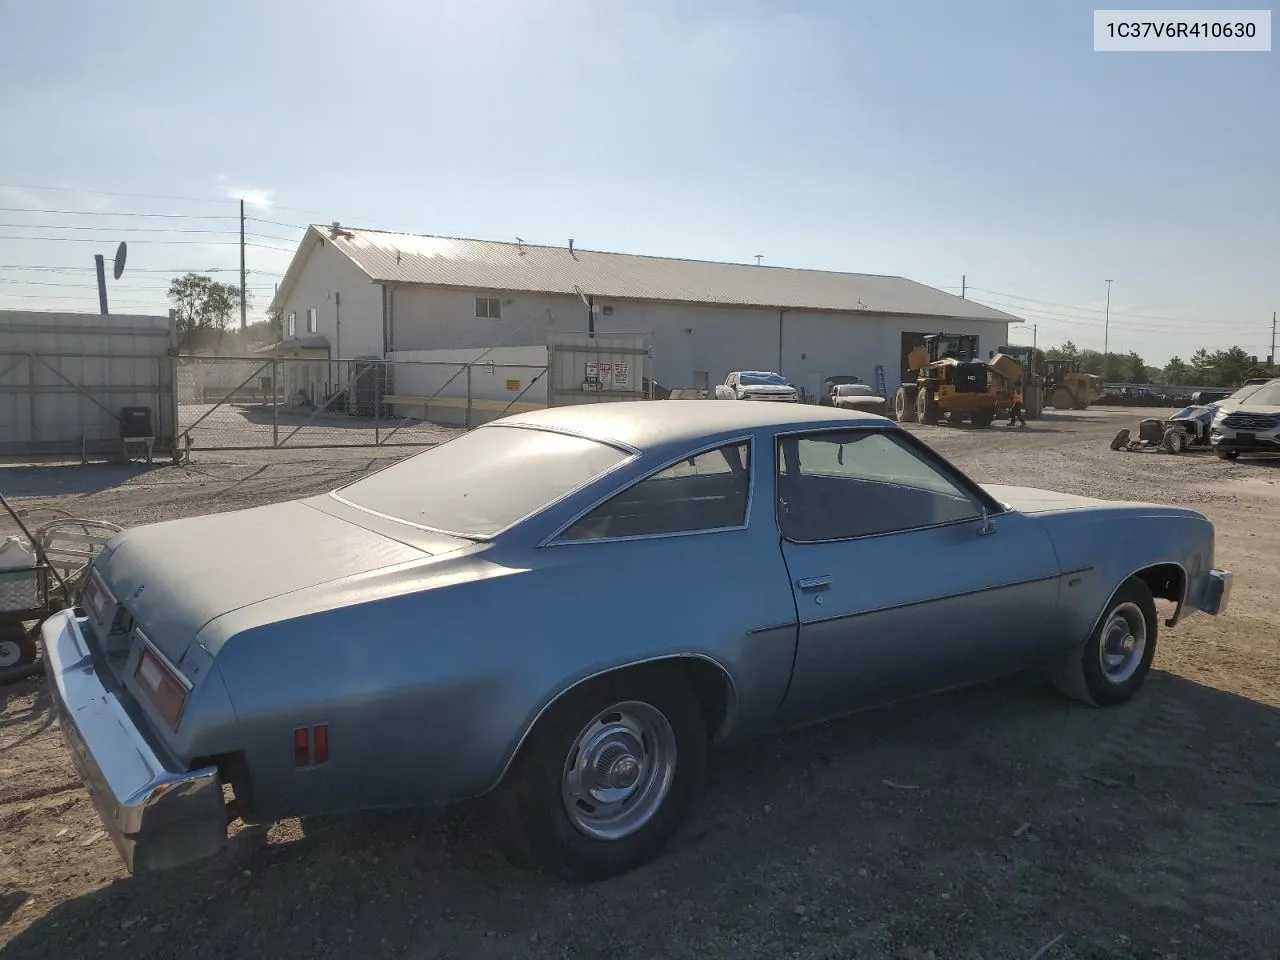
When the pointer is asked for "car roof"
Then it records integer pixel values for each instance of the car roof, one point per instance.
(645, 424)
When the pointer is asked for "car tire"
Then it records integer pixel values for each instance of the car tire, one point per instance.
(620, 719)
(1114, 662)
(1174, 440)
(18, 648)
(1120, 440)
(1226, 454)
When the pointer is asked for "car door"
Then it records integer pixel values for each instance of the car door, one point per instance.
(902, 585)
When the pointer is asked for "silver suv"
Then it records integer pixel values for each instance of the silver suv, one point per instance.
(1248, 421)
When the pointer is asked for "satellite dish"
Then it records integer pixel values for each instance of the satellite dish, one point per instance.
(120, 255)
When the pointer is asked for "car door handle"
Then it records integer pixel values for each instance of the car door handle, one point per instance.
(814, 583)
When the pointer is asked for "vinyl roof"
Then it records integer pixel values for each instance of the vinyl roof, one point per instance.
(481, 265)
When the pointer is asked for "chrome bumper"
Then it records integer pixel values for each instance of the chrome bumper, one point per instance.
(1216, 592)
(156, 817)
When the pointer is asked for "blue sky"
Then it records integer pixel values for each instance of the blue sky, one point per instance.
(929, 139)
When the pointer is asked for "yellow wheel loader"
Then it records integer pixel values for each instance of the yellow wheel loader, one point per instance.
(954, 383)
(1066, 387)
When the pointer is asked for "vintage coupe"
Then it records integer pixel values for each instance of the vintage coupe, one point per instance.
(569, 606)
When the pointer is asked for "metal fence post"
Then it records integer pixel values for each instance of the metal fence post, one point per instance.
(275, 402)
(468, 419)
(379, 372)
(31, 404)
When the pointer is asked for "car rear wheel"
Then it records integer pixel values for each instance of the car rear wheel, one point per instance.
(1117, 656)
(17, 647)
(608, 774)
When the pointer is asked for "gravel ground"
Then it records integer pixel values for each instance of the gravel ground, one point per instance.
(986, 823)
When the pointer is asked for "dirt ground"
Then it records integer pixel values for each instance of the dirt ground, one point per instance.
(989, 823)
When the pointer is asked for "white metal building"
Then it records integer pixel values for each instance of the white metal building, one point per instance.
(369, 293)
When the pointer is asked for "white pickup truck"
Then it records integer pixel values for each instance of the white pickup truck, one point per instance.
(757, 385)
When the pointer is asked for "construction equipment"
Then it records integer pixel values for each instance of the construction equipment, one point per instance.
(1032, 361)
(1066, 387)
(953, 382)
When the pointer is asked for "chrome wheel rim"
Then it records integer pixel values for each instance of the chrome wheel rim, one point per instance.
(619, 770)
(10, 654)
(1124, 641)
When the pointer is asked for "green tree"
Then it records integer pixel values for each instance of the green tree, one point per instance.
(1092, 361)
(204, 308)
(1177, 373)
(1068, 351)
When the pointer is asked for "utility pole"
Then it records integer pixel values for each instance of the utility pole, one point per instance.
(964, 287)
(1272, 359)
(1106, 329)
(244, 307)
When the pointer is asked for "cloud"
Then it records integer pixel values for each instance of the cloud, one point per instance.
(253, 196)
(23, 198)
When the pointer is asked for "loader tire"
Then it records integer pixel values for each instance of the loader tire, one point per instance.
(904, 406)
(1062, 399)
(927, 410)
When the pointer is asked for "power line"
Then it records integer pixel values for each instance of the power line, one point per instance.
(120, 213)
(1098, 310)
(147, 196)
(76, 226)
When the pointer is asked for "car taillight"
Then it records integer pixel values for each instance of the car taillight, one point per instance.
(162, 686)
(322, 743)
(301, 747)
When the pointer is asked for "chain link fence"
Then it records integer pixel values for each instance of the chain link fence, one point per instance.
(228, 403)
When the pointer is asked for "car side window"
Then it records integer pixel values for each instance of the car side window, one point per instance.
(858, 483)
(707, 491)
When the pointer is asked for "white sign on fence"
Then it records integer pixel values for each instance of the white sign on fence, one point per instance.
(605, 373)
(622, 374)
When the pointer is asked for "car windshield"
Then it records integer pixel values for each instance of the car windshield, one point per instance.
(763, 380)
(1266, 395)
(483, 481)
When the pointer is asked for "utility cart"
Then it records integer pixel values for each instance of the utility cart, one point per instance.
(60, 553)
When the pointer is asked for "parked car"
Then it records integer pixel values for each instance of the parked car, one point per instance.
(761, 385)
(569, 606)
(859, 396)
(1248, 421)
(829, 387)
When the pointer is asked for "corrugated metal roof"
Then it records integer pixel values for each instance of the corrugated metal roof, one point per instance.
(491, 265)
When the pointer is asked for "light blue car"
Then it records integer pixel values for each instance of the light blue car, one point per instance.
(570, 606)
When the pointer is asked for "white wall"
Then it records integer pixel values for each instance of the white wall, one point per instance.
(687, 337)
(420, 373)
(326, 273)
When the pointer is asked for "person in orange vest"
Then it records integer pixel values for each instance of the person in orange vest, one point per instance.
(1015, 412)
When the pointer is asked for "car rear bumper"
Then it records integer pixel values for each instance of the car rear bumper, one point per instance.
(157, 817)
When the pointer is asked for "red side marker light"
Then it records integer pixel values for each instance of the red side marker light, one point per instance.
(301, 747)
(322, 743)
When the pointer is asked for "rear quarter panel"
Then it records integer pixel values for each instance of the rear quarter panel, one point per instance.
(428, 693)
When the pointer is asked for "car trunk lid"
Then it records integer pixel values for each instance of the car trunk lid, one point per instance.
(176, 576)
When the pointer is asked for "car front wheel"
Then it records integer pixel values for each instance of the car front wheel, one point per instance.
(1117, 656)
(608, 774)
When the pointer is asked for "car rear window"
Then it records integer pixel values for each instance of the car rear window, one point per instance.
(483, 481)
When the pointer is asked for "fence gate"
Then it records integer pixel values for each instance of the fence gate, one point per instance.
(587, 369)
(65, 377)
